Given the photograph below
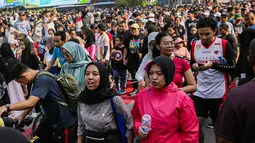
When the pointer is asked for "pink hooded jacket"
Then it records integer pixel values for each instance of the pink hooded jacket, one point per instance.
(173, 115)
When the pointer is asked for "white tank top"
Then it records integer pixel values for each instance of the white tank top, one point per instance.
(211, 83)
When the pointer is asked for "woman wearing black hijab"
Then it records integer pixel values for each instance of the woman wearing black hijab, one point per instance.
(14, 89)
(28, 56)
(95, 115)
(174, 119)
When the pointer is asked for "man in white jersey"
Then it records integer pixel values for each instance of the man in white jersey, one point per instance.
(212, 58)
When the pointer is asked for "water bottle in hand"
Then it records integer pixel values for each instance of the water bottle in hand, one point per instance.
(146, 122)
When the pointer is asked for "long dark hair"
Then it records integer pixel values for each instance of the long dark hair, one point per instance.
(90, 37)
(27, 52)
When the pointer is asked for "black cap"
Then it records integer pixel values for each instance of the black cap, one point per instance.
(224, 13)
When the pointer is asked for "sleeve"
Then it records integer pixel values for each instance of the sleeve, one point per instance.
(28, 27)
(185, 66)
(192, 60)
(93, 52)
(40, 87)
(188, 121)
(141, 70)
(81, 126)
(123, 109)
(233, 44)
(136, 115)
(187, 54)
(54, 55)
(227, 120)
(230, 60)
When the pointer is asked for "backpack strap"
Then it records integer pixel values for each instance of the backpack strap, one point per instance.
(51, 75)
(113, 106)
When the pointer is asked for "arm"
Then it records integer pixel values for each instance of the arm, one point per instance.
(230, 65)
(81, 126)
(26, 104)
(191, 82)
(53, 60)
(105, 51)
(188, 121)
(224, 129)
(123, 109)
(136, 116)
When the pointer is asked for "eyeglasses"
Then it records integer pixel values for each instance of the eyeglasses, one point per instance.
(171, 43)
(66, 54)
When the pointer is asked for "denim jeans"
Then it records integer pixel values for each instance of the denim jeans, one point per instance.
(122, 73)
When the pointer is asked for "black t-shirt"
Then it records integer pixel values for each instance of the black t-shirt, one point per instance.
(239, 28)
(4, 97)
(230, 38)
(236, 119)
(134, 49)
(189, 23)
(117, 62)
(126, 36)
(180, 31)
(48, 90)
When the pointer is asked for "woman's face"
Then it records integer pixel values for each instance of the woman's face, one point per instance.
(193, 31)
(166, 46)
(73, 34)
(152, 44)
(22, 45)
(179, 45)
(156, 76)
(92, 77)
(170, 31)
(67, 55)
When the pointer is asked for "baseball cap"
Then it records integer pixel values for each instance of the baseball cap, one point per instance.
(136, 26)
(224, 13)
(22, 13)
(238, 16)
(178, 40)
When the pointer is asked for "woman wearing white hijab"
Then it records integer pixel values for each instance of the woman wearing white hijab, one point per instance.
(140, 74)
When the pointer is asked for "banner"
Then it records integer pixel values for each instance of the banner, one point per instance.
(2, 3)
(49, 3)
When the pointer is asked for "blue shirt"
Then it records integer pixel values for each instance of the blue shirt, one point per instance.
(253, 26)
(59, 116)
(58, 54)
(22, 26)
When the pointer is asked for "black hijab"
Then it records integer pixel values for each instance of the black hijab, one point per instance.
(28, 56)
(167, 67)
(5, 55)
(6, 51)
(103, 92)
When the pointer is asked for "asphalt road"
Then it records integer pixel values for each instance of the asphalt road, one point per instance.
(209, 135)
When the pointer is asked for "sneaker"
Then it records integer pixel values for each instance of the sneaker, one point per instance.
(209, 125)
(133, 93)
(122, 91)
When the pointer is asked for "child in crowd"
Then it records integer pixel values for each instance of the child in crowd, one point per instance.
(119, 69)
(180, 50)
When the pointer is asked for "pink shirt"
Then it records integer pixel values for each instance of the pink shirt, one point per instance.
(92, 51)
(182, 52)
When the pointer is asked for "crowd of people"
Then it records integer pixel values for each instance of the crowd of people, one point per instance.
(180, 62)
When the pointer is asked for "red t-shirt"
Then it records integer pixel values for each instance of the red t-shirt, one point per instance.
(181, 66)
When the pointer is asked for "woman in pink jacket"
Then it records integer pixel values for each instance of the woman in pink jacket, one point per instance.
(173, 117)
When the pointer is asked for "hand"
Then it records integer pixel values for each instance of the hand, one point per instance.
(2, 110)
(141, 84)
(20, 118)
(206, 66)
(102, 61)
(196, 67)
(125, 62)
(25, 92)
(141, 133)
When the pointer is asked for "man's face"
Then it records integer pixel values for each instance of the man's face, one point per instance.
(24, 78)
(123, 27)
(223, 31)
(190, 15)
(249, 19)
(58, 42)
(206, 34)
(135, 31)
(23, 17)
(224, 18)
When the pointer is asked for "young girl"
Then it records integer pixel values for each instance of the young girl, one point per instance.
(180, 50)
(119, 69)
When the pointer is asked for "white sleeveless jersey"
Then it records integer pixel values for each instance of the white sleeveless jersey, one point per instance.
(211, 83)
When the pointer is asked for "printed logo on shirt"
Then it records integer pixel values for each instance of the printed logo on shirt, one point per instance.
(198, 47)
(216, 52)
(134, 45)
(118, 55)
(216, 43)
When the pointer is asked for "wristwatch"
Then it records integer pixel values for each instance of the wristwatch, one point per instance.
(8, 108)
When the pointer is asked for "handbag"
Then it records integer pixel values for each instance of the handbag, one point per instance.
(120, 122)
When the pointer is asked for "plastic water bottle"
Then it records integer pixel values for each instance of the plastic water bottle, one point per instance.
(146, 122)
